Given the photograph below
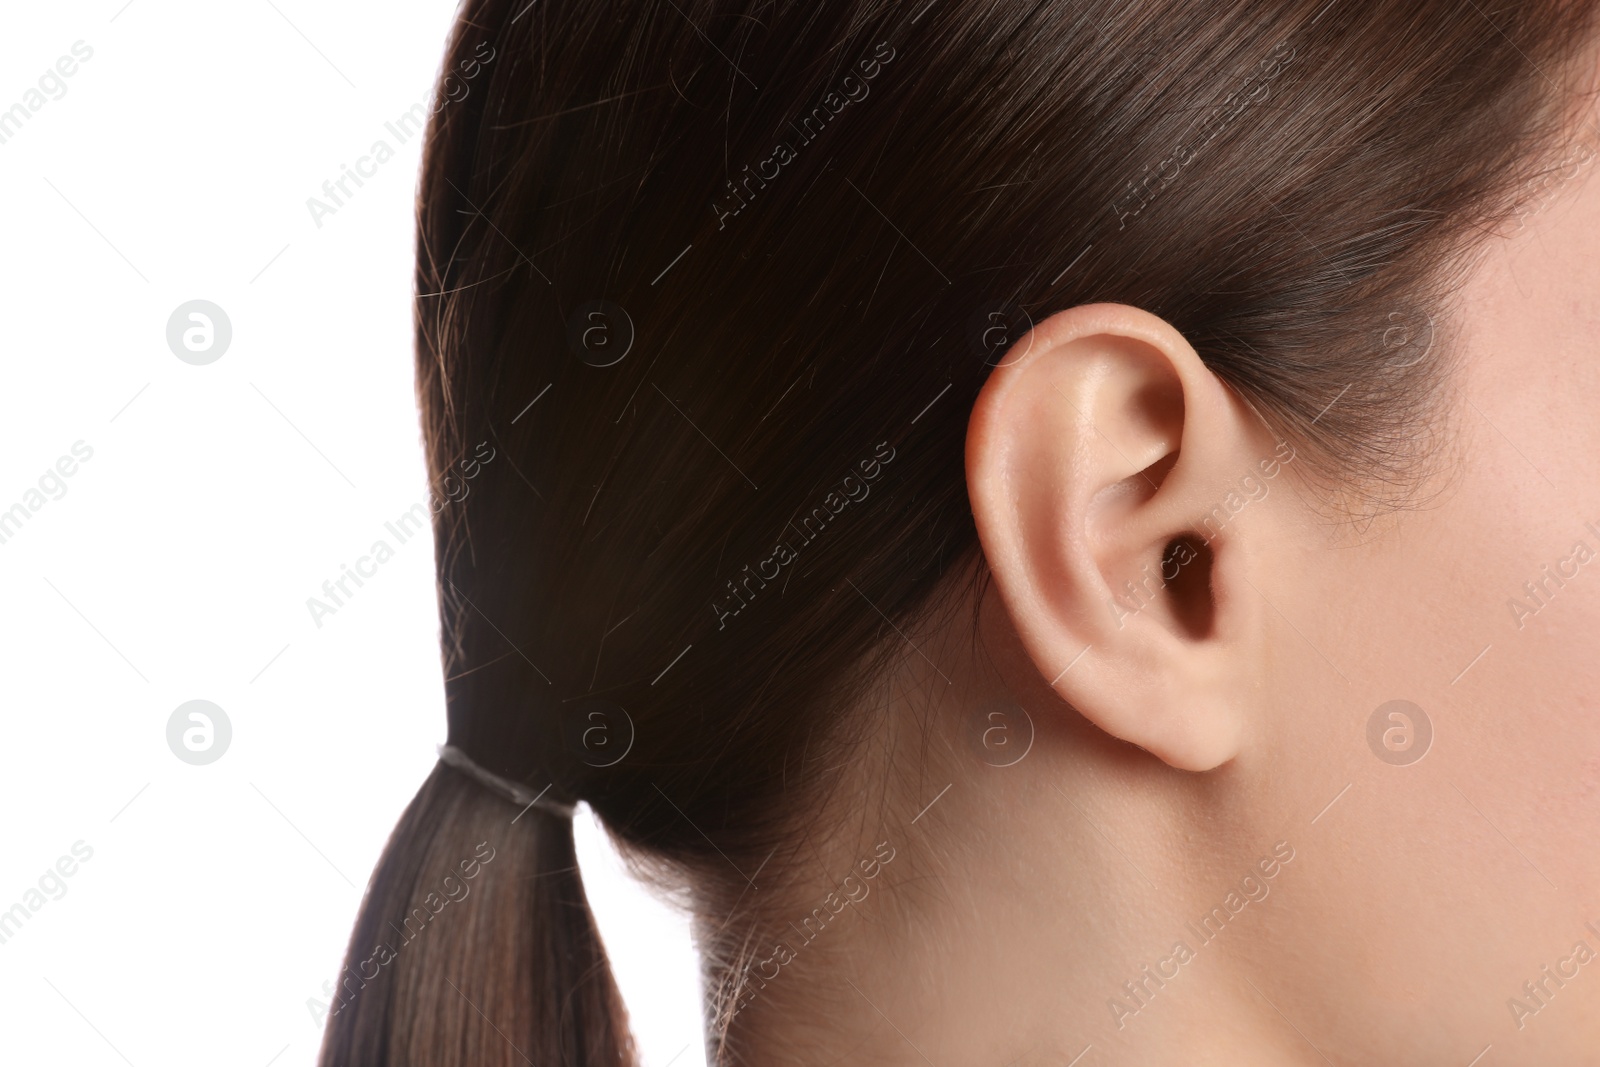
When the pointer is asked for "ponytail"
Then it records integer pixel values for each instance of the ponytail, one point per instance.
(475, 945)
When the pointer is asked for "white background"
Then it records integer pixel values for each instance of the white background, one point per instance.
(177, 563)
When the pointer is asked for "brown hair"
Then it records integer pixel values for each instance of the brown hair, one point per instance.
(720, 281)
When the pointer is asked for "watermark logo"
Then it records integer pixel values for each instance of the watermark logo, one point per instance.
(850, 891)
(1139, 193)
(600, 333)
(752, 180)
(994, 328)
(452, 88)
(1407, 338)
(1000, 732)
(199, 332)
(451, 890)
(51, 886)
(1399, 733)
(452, 487)
(51, 486)
(1537, 994)
(599, 732)
(800, 532)
(51, 86)
(1540, 191)
(1551, 579)
(1138, 992)
(198, 732)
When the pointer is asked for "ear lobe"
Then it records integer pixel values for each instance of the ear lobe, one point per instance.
(1092, 460)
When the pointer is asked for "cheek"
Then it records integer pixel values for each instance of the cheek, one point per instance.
(1467, 612)
(1418, 605)
(1529, 492)
(1465, 607)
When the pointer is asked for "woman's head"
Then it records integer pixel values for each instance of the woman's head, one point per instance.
(881, 387)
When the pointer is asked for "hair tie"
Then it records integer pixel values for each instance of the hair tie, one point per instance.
(515, 792)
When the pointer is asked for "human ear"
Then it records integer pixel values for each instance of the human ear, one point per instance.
(1103, 463)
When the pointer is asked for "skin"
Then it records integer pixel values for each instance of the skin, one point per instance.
(1171, 759)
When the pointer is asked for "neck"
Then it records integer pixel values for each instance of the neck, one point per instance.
(1085, 901)
(987, 948)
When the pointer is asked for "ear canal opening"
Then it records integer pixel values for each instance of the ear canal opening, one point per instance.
(1186, 572)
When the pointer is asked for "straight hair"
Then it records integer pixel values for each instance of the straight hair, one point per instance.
(690, 266)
